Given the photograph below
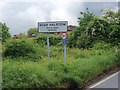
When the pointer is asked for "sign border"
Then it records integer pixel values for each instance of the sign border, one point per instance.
(51, 22)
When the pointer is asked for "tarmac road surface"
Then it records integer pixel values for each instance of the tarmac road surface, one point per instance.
(112, 81)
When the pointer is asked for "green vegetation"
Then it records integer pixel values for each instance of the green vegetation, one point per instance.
(93, 29)
(82, 66)
(32, 32)
(4, 32)
(22, 36)
(16, 48)
(55, 40)
(92, 48)
(21, 48)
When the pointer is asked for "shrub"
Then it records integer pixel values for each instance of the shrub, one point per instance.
(101, 45)
(53, 40)
(117, 50)
(79, 39)
(26, 75)
(84, 42)
(17, 48)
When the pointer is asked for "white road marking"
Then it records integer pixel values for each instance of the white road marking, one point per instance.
(104, 80)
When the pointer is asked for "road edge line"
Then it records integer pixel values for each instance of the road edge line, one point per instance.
(103, 80)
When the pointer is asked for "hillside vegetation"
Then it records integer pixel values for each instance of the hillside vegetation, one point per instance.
(92, 48)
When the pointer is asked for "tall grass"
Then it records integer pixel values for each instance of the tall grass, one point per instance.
(82, 66)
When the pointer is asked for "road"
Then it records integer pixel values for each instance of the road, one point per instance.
(113, 81)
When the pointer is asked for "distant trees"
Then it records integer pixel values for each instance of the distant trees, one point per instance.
(4, 32)
(93, 28)
(22, 36)
(32, 32)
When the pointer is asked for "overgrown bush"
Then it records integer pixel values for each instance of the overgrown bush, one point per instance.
(53, 40)
(79, 40)
(117, 49)
(92, 28)
(18, 48)
(26, 75)
(84, 42)
(101, 45)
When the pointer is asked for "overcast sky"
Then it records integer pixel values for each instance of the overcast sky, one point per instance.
(20, 16)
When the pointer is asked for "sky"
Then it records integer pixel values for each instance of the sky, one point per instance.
(25, 14)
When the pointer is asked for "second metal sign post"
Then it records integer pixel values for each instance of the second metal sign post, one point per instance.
(64, 41)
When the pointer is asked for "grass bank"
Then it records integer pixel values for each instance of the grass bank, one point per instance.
(82, 66)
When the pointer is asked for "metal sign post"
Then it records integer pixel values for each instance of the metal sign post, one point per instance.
(48, 45)
(65, 54)
(64, 41)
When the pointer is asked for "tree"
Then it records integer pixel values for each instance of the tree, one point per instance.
(32, 32)
(4, 32)
(22, 36)
(82, 34)
(112, 17)
(93, 28)
(85, 18)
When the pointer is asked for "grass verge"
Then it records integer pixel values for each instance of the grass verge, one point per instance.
(82, 66)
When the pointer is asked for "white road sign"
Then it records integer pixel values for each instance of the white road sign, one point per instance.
(57, 26)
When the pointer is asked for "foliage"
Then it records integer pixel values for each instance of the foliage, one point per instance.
(32, 32)
(54, 40)
(80, 34)
(92, 28)
(26, 75)
(117, 49)
(22, 36)
(83, 65)
(4, 32)
(101, 45)
(17, 48)
(54, 73)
